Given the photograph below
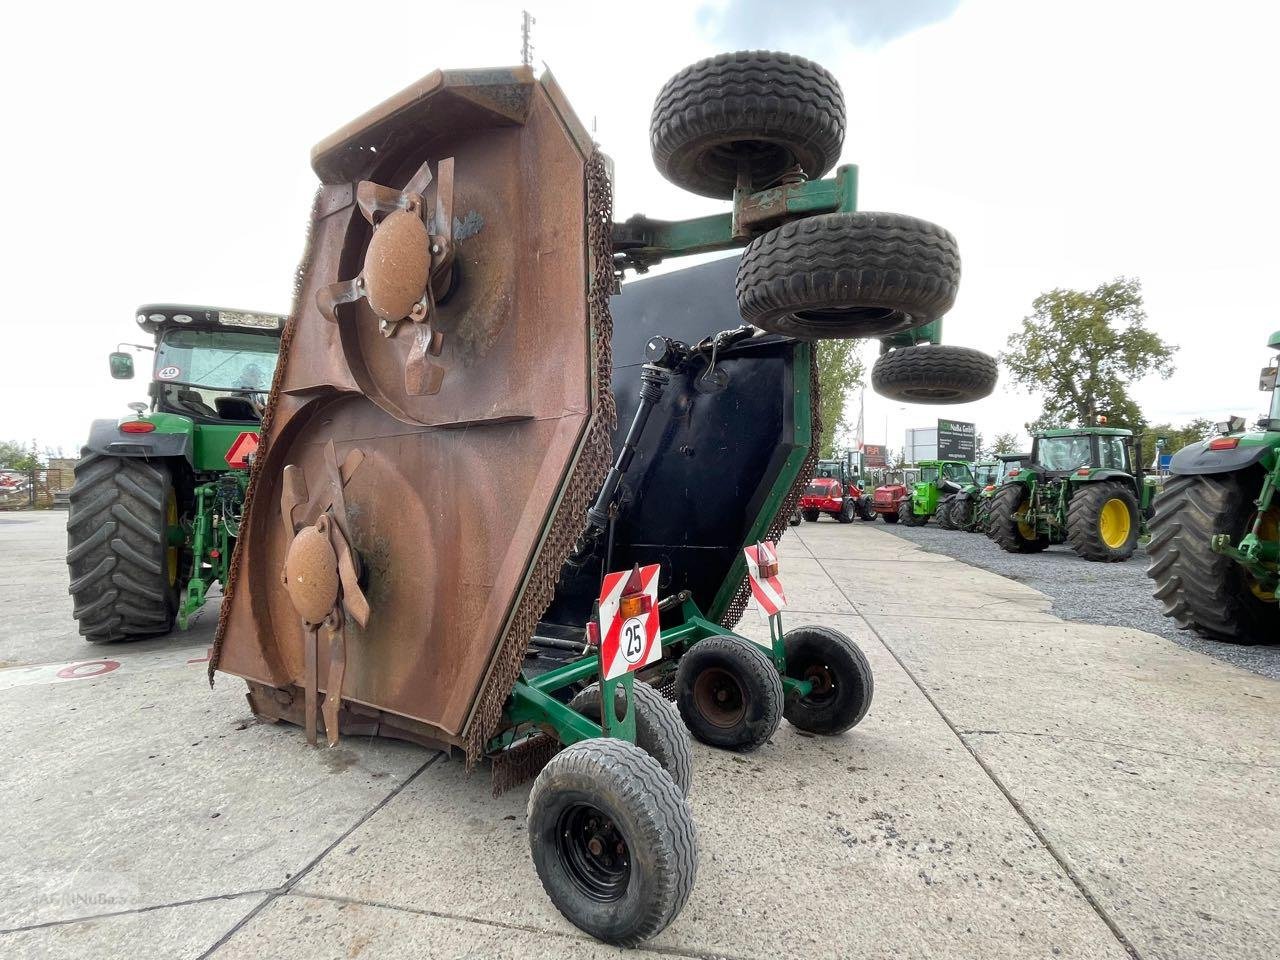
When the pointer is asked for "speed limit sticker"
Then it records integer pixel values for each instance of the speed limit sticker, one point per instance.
(629, 621)
(168, 373)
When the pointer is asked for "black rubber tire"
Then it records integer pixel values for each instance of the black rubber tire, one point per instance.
(628, 787)
(810, 516)
(117, 554)
(866, 512)
(659, 731)
(1202, 590)
(774, 110)
(845, 687)
(746, 676)
(962, 514)
(796, 518)
(840, 275)
(934, 373)
(943, 513)
(889, 517)
(908, 515)
(848, 512)
(1004, 524)
(1084, 532)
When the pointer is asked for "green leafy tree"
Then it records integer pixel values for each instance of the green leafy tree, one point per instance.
(1176, 437)
(10, 453)
(1005, 443)
(1082, 349)
(840, 370)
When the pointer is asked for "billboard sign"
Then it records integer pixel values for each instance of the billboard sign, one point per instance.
(957, 441)
(872, 455)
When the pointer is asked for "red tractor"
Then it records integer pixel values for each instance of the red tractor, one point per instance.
(889, 496)
(834, 490)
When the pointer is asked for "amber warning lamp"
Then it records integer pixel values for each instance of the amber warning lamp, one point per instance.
(634, 602)
(767, 562)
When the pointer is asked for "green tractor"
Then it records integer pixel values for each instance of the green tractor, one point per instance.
(938, 479)
(157, 498)
(1082, 486)
(1215, 534)
(971, 507)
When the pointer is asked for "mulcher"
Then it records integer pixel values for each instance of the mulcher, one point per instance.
(1215, 535)
(439, 543)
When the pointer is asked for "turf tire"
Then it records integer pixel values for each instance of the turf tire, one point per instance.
(776, 111)
(823, 654)
(746, 676)
(659, 731)
(934, 373)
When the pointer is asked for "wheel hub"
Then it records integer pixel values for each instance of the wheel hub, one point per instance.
(594, 852)
(719, 697)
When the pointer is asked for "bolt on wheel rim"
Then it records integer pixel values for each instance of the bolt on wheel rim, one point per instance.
(719, 697)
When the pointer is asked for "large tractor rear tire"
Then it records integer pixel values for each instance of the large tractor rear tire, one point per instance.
(962, 517)
(1103, 522)
(124, 571)
(771, 111)
(908, 515)
(1202, 590)
(934, 373)
(1007, 528)
(841, 275)
(943, 513)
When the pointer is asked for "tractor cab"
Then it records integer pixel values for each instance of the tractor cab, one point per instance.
(1059, 453)
(211, 365)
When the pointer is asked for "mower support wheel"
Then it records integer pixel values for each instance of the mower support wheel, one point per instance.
(934, 373)
(839, 275)
(612, 839)
(1201, 590)
(659, 731)
(769, 111)
(842, 681)
(1103, 522)
(1006, 528)
(729, 693)
(125, 576)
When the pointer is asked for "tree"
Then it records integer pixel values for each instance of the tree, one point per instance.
(839, 371)
(11, 453)
(1005, 443)
(1176, 437)
(1082, 349)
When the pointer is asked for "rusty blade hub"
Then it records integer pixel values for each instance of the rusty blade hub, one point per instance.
(397, 265)
(311, 573)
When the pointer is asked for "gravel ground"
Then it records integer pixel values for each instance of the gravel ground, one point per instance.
(1113, 594)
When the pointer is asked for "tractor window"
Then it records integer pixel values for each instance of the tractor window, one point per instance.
(985, 474)
(957, 472)
(215, 374)
(1063, 453)
(1111, 453)
(928, 474)
(827, 469)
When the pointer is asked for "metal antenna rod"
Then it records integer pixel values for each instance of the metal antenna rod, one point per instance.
(526, 37)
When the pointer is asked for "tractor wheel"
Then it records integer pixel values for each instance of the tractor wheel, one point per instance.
(612, 839)
(943, 513)
(124, 572)
(962, 514)
(769, 111)
(729, 693)
(889, 517)
(1202, 590)
(908, 515)
(848, 512)
(796, 518)
(841, 275)
(659, 731)
(934, 373)
(1008, 528)
(866, 512)
(842, 680)
(810, 516)
(1103, 522)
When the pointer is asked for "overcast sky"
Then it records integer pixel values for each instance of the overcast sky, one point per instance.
(160, 152)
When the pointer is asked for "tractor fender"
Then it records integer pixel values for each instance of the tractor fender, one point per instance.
(1199, 459)
(1098, 475)
(106, 437)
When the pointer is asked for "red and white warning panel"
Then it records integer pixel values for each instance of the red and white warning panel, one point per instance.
(245, 446)
(762, 571)
(629, 621)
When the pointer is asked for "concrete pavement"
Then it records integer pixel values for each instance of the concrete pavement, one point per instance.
(1023, 787)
